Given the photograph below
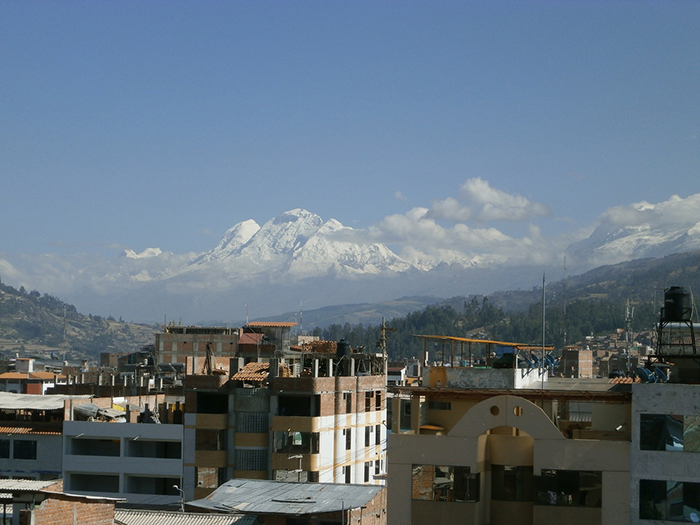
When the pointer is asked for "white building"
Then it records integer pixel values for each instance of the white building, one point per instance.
(140, 462)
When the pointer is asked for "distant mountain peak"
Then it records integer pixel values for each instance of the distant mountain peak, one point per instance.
(298, 244)
(145, 254)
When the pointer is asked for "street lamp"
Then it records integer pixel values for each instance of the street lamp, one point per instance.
(182, 498)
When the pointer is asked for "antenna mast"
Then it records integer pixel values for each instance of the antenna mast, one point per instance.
(629, 314)
(65, 339)
(543, 335)
(566, 276)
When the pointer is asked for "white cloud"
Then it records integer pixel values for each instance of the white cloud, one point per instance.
(8, 270)
(399, 196)
(455, 229)
(451, 210)
(497, 205)
(674, 211)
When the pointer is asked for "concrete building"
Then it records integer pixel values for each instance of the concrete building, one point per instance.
(481, 450)
(30, 435)
(196, 347)
(577, 363)
(139, 462)
(75, 438)
(665, 464)
(312, 413)
(28, 379)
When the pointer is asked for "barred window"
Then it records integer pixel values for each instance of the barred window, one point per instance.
(252, 422)
(251, 459)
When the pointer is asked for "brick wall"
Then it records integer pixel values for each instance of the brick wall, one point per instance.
(61, 509)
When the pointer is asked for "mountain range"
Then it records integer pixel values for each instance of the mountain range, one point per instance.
(299, 261)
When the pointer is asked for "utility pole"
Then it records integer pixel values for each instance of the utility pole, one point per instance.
(629, 314)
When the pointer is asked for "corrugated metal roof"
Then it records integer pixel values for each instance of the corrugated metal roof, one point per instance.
(262, 324)
(24, 485)
(155, 517)
(12, 401)
(278, 497)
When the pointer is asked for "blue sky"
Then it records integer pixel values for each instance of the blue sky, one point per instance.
(140, 124)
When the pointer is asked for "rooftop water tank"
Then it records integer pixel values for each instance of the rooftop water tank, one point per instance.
(677, 305)
(342, 349)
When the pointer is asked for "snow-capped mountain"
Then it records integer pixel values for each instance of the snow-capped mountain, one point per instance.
(299, 244)
(297, 256)
(610, 245)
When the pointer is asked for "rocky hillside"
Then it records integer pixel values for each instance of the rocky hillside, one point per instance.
(32, 324)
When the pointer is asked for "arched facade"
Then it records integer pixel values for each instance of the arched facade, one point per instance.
(505, 461)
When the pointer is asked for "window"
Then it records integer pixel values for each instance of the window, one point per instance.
(510, 483)
(444, 483)
(84, 446)
(569, 488)
(368, 401)
(378, 400)
(669, 432)
(4, 448)
(378, 435)
(93, 482)
(24, 449)
(296, 442)
(348, 438)
(252, 422)
(377, 467)
(299, 406)
(368, 468)
(347, 396)
(247, 459)
(144, 448)
(669, 500)
(367, 436)
(212, 403)
(439, 405)
(347, 473)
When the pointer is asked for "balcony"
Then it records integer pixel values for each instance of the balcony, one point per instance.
(297, 423)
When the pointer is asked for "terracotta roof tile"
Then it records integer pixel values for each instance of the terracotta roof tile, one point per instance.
(317, 347)
(252, 372)
(28, 430)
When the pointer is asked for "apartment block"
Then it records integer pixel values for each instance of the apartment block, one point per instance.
(311, 413)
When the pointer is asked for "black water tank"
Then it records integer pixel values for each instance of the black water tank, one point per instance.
(677, 305)
(342, 349)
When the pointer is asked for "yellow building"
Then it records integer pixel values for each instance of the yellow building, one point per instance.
(554, 451)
